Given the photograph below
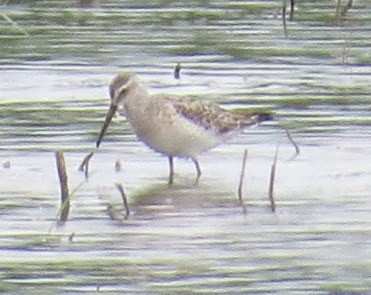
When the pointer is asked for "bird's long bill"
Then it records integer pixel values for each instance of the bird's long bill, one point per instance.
(112, 110)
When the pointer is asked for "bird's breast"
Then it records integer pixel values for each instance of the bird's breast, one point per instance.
(166, 131)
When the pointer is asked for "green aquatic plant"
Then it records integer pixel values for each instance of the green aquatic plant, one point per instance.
(14, 24)
(12, 2)
(259, 53)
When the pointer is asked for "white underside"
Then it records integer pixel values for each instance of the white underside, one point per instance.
(178, 137)
(187, 140)
(157, 123)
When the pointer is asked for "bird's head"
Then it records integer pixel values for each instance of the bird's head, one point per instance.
(120, 86)
(118, 89)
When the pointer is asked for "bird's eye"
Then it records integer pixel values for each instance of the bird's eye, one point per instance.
(122, 90)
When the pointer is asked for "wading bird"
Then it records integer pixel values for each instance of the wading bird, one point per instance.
(174, 126)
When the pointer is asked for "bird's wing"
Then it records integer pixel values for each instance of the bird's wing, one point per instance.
(213, 117)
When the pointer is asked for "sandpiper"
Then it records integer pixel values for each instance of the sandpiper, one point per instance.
(174, 126)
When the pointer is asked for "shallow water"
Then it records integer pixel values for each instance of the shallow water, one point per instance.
(186, 239)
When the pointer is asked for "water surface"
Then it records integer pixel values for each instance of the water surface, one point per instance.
(55, 65)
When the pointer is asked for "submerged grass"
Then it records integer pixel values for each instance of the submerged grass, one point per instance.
(188, 15)
(14, 24)
(135, 253)
(263, 53)
(124, 273)
(221, 43)
(346, 288)
(52, 113)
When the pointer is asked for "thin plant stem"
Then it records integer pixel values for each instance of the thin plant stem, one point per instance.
(63, 182)
(84, 166)
(14, 24)
(297, 150)
(177, 69)
(284, 17)
(124, 199)
(242, 176)
(271, 181)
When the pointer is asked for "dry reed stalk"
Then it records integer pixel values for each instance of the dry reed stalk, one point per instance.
(271, 182)
(124, 199)
(70, 237)
(297, 150)
(177, 69)
(63, 182)
(284, 18)
(347, 7)
(292, 7)
(342, 12)
(118, 166)
(242, 176)
(84, 166)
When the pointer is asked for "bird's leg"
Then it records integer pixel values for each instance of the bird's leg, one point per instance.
(171, 174)
(198, 169)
